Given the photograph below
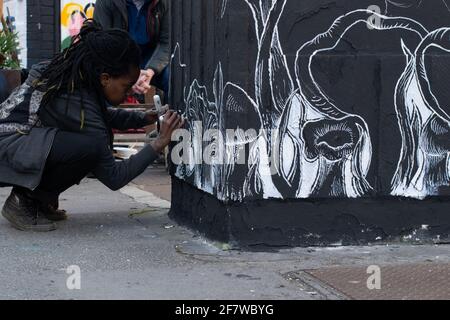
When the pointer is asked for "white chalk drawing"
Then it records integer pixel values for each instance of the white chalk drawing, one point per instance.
(303, 145)
(223, 8)
(424, 163)
(411, 4)
(338, 141)
(203, 116)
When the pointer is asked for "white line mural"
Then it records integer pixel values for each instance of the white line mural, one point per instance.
(411, 3)
(339, 142)
(297, 142)
(424, 163)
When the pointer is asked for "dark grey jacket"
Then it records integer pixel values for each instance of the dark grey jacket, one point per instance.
(113, 14)
(25, 142)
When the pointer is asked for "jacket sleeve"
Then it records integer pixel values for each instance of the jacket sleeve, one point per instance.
(161, 57)
(123, 120)
(115, 175)
(112, 174)
(103, 14)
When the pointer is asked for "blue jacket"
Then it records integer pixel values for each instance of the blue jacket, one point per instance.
(114, 14)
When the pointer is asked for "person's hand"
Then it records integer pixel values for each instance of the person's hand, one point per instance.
(143, 84)
(152, 116)
(171, 122)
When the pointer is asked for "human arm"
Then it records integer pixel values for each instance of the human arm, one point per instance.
(116, 175)
(103, 14)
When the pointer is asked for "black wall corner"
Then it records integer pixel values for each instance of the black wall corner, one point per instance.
(43, 30)
(312, 222)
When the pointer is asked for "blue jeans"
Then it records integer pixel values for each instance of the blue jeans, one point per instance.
(161, 81)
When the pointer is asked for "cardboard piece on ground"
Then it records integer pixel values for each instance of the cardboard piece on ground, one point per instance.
(1, 8)
(12, 78)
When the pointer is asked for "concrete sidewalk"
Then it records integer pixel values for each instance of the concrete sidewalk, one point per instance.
(155, 180)
(127, 248)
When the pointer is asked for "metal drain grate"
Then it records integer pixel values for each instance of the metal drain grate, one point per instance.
(402, 282)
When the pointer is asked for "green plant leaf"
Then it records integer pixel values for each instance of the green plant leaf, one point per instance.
(9, 48)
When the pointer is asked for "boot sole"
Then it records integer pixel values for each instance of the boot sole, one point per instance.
(10, 217)
(56, 217)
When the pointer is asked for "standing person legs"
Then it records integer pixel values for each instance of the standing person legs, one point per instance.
(161, 81)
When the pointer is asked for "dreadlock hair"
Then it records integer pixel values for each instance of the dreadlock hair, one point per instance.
(93, 51)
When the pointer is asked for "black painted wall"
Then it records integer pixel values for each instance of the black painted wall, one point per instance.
(43, 29)
(358, 77)
(371, 156)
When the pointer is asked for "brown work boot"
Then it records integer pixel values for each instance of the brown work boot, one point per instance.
(24, 214)
(53, 214)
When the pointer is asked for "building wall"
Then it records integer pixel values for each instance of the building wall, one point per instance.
(43, 32)
(73, 14)
(338, 112)
(50, 24)
(332, 111)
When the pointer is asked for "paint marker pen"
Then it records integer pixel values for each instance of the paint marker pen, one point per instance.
(159, 107)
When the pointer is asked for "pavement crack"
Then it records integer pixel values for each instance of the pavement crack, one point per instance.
(143, 211)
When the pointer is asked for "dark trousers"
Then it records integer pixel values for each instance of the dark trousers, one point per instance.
(71, 158)
(161, 81)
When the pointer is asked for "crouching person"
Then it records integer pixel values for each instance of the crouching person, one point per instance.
(57, 127)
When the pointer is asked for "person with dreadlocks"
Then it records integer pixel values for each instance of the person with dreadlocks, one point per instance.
(57, 127)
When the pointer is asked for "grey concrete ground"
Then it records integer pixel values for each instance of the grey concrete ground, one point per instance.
(127, 248)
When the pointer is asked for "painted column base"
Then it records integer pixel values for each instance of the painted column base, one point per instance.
(305, 223)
